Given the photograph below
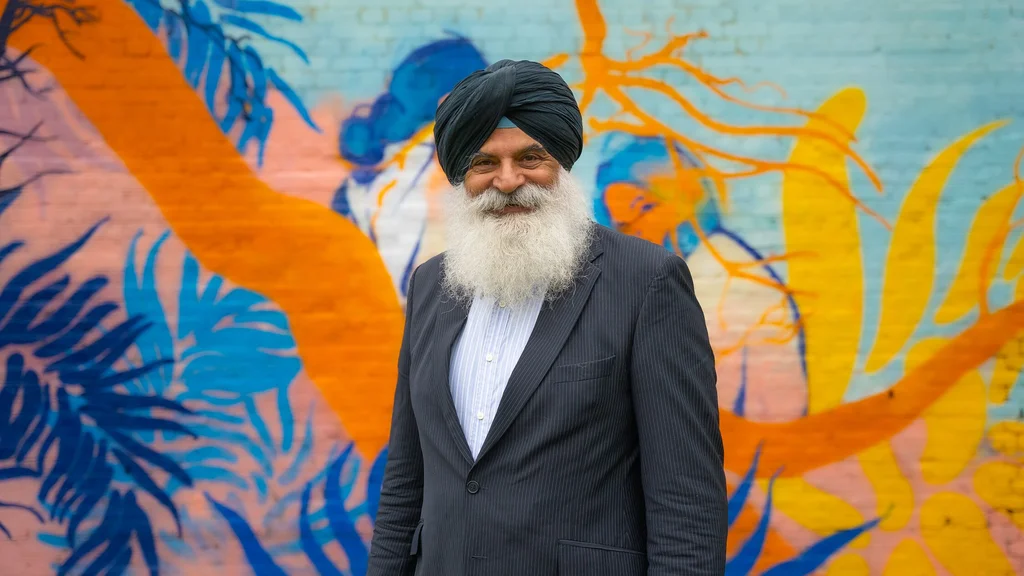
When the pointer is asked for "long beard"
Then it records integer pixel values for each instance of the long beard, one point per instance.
(515, 257)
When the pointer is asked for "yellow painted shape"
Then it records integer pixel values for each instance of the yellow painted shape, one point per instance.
(910, 264)
(908, 559)
(1015, 263)
(895, 495)
(829, 279)
(1001, 486)
(956, 532)
(319, 268)
(955, 422)
(1009, 361)
(815, 509)
(848, 565)
(1007, 438)
(981, 255)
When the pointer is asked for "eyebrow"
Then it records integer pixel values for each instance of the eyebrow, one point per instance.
(530, 148)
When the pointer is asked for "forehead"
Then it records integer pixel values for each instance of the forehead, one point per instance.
(507, 141)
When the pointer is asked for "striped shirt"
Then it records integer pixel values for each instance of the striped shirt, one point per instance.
(483, 358)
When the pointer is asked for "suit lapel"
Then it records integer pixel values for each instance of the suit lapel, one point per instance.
(554, 324)
(451, 316)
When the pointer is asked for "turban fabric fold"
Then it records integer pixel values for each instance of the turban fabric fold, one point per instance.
(530, 95)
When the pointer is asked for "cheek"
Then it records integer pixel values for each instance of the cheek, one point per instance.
(476, 183)
(544, 176)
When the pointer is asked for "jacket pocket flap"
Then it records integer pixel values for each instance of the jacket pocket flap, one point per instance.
(583, 370)
(586, 559)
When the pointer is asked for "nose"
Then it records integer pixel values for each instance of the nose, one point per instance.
(509, 178)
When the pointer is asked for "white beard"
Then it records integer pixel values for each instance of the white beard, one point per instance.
(515, 257)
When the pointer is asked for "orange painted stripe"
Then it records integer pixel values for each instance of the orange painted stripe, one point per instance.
(323, 272)
(802, 445)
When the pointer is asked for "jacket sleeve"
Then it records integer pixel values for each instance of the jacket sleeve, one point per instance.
(681, 453)
(401, 495)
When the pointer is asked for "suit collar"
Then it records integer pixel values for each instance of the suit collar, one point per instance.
(554, 325)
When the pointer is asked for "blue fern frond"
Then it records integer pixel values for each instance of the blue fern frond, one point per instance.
(339, 521)
(206, 45)
(818, 553)
(739, 496)
(744, 560)
(75, 427)
(259, 559)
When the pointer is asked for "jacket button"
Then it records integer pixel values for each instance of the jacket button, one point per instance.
(472, 487)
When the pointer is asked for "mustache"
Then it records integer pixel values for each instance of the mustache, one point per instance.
(527, 196)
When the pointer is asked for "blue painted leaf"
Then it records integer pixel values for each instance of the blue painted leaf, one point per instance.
(16, 380)
(138, 521)
(203, 473)
(175, 33)
(261, 7)
(818, 553)
(139, 450)
(341, 525)
(81, 464)
(40, 425)
(292, 98)
(16, 330)
(116, 402)
(302, 455)
(98, 479)
(141, 300)
(72, 307)
(310, 546)
(196, 16)
(739, 496)
(145, 482)
(101, 353)
(744, 560)
(108, 527)
(259, 560)
(94, 491)
(247, 24)
(36, 270)
(66, 432)
(72, 337)
(109, 421)
(214, 69)
(8, 197)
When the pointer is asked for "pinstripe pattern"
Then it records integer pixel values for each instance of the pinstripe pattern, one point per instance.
(604, 456)
(484, 355)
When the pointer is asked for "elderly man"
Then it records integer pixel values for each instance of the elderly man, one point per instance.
(556, 409)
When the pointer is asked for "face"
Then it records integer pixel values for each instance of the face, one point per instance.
(517, 225)
(508, 160)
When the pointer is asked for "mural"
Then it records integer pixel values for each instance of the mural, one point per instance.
(209, 211)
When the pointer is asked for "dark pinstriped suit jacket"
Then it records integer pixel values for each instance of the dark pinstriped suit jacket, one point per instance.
(605, 456)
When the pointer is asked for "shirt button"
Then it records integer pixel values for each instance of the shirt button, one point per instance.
(479, 415)
(472, 487)
(490, 356)
(502, 303)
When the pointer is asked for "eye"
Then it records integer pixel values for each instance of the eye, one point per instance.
(531, 158)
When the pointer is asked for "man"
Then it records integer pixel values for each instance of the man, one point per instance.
(556, 409)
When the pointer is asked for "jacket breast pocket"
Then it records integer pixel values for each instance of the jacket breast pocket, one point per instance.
(584, 370)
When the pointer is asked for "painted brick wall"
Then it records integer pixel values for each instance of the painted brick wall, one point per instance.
(208, 219)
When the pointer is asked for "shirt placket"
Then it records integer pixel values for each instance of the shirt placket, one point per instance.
(482, 393)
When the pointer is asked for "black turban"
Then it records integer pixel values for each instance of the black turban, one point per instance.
(532, 96)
